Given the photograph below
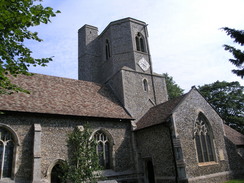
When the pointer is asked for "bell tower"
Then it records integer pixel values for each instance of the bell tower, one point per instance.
(120, 58)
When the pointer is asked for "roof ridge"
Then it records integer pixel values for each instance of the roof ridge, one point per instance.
(63, 96)
(59, 77)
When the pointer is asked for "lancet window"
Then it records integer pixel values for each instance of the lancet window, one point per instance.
(107, 50)
(145, 85)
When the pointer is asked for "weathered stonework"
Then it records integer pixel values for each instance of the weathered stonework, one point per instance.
(150, 139)
(121, 72)
(37, 153)
(54, 132)
(132, 94)
(155, 143)
(184, 118)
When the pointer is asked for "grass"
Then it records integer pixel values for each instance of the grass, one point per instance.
(235, 181)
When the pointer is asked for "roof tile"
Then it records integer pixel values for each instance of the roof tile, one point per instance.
(158, 114)
(56, 95)
(234, 136)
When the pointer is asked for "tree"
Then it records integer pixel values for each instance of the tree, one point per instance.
(83, 158)
(227, 98)
(238, 61)
(173, 89)
(16, 18)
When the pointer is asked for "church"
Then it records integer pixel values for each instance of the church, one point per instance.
(143, 136)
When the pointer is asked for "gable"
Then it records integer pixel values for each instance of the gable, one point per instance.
(193, 104)
(158, 114)
(56, 95)
(192, 101)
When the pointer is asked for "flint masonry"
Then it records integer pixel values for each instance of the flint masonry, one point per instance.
(141, 135)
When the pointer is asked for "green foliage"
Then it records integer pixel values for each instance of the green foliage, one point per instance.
(228, 100)
(173, 89)
(238, 61)
(83, 159)
(235, 181)
(16, 17)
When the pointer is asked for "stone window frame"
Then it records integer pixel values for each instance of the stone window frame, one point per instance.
(140, 42)
(204, 140)
(107, 49)
(16, 144)
(145, 85)
(111, 146)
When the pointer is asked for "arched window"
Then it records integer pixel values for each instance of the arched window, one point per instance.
(145, 85)
(103, 149)
(107, 50)
(203, 140)
(6, 153)
(140, 43)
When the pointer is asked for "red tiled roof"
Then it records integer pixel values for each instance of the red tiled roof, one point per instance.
(56, 95)
(234, 136)
(158, 114)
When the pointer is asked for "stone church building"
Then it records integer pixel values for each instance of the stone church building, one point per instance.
(142, 136)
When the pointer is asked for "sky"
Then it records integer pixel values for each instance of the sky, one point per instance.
(185, 39)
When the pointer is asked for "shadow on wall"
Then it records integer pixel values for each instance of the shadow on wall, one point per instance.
(236, 161)
(124, 155)
(24, 170)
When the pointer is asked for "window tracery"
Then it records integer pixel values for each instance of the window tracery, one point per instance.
(103, 149)
(6, 153)
(203, 140)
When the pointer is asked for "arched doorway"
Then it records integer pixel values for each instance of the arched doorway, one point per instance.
(56, 174)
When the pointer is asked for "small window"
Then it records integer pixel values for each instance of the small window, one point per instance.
(6, 153)
(103, 149)
(203, 140)
(145, 85)
(107, 50)
(140, 43)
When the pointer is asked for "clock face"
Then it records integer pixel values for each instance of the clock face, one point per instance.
(143, 64)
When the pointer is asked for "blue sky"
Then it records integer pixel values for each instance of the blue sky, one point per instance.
(184, 35)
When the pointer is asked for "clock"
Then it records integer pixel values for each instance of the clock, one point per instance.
(143, 63)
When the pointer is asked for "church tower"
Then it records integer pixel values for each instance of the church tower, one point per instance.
(120, 58)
